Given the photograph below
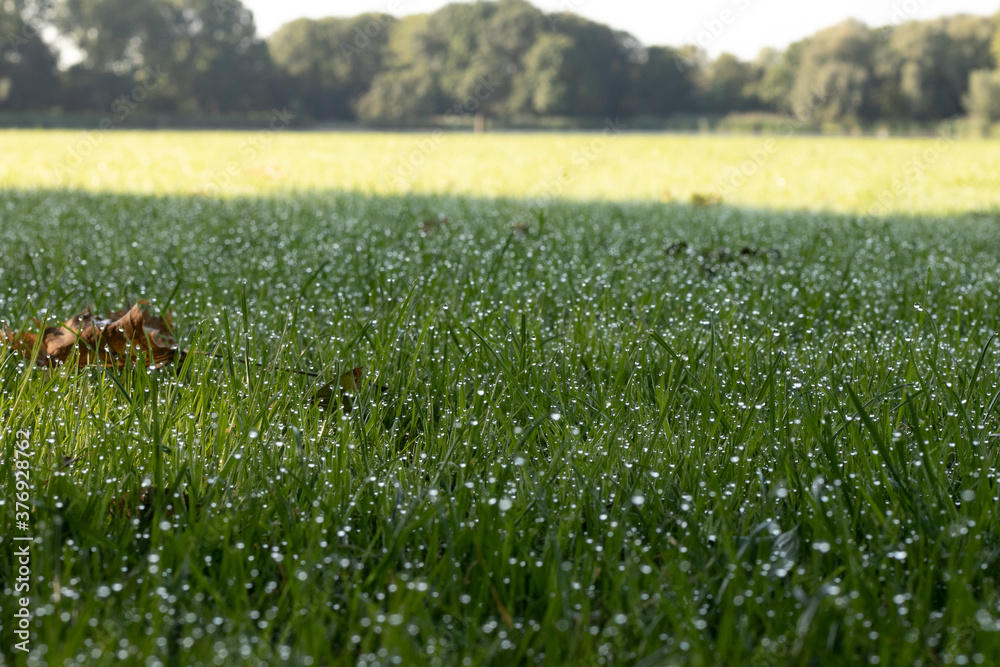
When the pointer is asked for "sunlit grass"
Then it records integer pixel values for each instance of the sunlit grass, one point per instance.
(589, 434)
(858, 175)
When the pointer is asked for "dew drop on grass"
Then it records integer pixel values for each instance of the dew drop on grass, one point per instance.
(638, 500)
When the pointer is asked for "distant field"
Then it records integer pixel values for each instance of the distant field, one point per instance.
(855, 175)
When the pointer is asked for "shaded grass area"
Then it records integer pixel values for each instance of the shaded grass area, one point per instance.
(588, 434)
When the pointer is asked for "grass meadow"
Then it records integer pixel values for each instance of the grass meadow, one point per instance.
(848, 175)
(602, 428)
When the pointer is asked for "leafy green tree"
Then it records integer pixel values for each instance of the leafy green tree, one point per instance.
(983, 99)
(444, 48)
(780, 71)
(27, 65)
(593, 63)
(731, 85)
(484, 86)
(399, 95)
(995, 44)
(659, 87)
(835, 81)
(206, 50)
(498, 57)
(543, 87)
(328, 65)
(118, 36)
(226, 66)
(925, 68)
(409, 85)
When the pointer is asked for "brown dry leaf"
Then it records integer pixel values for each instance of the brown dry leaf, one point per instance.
(350, 386)
(125, 335)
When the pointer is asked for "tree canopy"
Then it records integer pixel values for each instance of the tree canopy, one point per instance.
(27, 64)
(502, 59)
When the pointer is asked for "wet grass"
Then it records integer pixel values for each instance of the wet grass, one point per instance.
(587, 434)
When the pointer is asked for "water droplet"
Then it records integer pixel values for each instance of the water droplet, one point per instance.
(822, 547)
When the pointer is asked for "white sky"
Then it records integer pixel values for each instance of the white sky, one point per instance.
(749, 24)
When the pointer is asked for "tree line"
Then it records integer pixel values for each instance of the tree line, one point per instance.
(500, 59)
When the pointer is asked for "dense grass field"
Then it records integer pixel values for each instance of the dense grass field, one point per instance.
(588, 433)
(869, 176)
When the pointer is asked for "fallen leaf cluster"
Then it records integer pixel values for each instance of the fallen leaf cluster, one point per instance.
(133, 335)
(126, 335)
